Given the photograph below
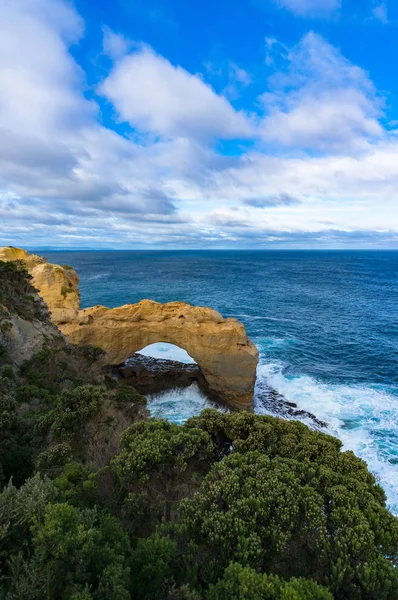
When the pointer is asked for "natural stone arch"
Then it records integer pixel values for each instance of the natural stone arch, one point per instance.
(221, 348)
(158, 351)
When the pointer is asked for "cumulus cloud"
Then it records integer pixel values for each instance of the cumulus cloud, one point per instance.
(155, 96)
(311, 8)
(39, 80)
(321, 101)
(66, 179)
(114, 44)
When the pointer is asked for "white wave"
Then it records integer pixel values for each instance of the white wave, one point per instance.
(364, 418)
(167, 352)
(97, 276)
(179, 404)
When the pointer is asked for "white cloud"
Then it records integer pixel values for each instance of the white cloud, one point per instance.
(380, 13)
(114, 44)
(155, 96)
(38, 77)
(311, 8)
(321, 101)
(66, 179)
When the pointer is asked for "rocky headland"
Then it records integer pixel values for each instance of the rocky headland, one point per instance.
(57, 285)
(225, 356)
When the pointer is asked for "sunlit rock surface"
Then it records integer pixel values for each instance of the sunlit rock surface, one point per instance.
(225, 355)
(221, 348)
(57, 285)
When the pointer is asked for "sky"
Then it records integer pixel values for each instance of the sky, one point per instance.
(212, 124)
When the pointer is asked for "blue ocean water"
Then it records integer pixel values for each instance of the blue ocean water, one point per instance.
(325, 322)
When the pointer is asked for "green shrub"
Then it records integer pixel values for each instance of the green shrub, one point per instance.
(244, 583)
(7, 371)
(126, 394)
(73, 409)
(74, 551)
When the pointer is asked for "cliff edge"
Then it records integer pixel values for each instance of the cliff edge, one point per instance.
(57, 285)
(225, 355)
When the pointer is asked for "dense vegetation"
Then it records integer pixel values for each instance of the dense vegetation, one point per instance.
(98, 501)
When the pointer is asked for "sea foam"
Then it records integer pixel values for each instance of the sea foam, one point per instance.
(364, 418)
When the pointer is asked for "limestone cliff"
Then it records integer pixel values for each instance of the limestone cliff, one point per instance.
(58, 286)
(25, 324)
(221, 348)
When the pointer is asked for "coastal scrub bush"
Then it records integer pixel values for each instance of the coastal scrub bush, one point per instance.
(244, 583)
(75, 553)
(268, 494)
(161, 462)
(227, 506)
(287, 501)
(15, 439)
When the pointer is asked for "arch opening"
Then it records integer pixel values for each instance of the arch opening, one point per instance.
(163, 371)
(225, 357)
(167, 351)
(184, 395)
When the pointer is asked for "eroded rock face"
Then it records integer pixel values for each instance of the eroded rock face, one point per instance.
(221, 348)
(58, 286)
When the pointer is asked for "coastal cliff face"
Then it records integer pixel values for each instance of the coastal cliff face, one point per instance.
(25, 324)
(58, 286)
(221, 348)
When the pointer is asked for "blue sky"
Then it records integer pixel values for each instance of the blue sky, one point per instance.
(171, 124)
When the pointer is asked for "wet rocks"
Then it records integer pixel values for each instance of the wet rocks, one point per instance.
(151, 375)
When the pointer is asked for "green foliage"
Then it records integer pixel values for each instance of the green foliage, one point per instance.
(8, 372)
(77, 485)
(72, 410)
(58, 362)
(126, 394)
(74, 551)
(6, 326)
(18, 509)
(161, 461)
(151, 566)
(287, 500)
(244, 583)
(15, 439)
(66, 290)
(31, 393)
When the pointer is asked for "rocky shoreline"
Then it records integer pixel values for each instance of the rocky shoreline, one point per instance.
(151, 376)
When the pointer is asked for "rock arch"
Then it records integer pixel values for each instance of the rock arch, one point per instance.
(225, 355)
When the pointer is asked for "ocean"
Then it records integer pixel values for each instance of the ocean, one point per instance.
(325, 323)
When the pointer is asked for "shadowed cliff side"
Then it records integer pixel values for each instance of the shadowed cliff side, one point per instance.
(58, 286)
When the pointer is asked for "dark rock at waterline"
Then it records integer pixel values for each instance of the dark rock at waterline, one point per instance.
(277, 404)
(151, 375)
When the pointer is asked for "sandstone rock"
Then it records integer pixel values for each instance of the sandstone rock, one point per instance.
(151, 375)
(58, 286)
(9, 253)
(25, 338)
(221, 348)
